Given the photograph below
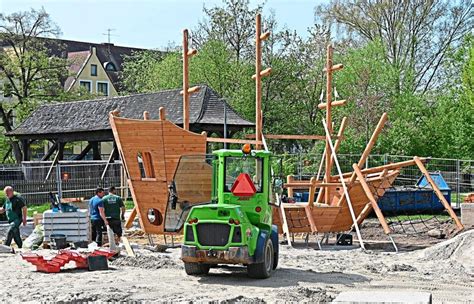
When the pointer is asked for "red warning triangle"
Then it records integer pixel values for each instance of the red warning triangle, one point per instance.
(243, 186)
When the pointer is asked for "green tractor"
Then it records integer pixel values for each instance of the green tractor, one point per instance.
(235, 225)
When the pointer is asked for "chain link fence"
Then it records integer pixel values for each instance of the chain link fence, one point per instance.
(79, 179)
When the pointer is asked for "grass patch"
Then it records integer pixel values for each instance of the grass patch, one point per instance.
(454, 197)
(128, 204)
(38, 209)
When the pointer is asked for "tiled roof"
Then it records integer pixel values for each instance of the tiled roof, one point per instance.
(206, 108)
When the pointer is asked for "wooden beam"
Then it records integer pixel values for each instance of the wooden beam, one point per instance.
(109, 161)
(372, 200)
(367, 150)
(291, 136)
(335, 67)
(373, 140)
(185, 81)
(50, 151)
(290, 179)
(95, 150)
(84, 152)
(393, 166)
(60, 154)
(131, 218)
(258, 79)
(329, 65)
(336, 103)
(300, 185)
(26, 149)
(438, 192)
(233, 141)
(368, 208)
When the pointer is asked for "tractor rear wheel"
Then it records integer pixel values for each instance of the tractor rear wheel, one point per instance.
(263, 270)
(196, 268)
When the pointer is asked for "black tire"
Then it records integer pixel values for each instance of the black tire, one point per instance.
(263, 270)
(275, 260)
(196, 268)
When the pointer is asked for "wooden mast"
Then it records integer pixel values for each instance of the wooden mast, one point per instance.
(187, 53)
(259, 37)
(327, 176)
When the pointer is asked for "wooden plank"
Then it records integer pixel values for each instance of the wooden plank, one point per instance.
(128, 248)
(302, 185)
(322, 106)
(131, 218)
(233, 141)
(438, 192)
(371, 198)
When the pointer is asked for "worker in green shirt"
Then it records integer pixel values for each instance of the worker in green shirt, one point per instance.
(15, 208)
(114, 212)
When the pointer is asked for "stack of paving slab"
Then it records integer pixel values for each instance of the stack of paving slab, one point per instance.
(74, 225)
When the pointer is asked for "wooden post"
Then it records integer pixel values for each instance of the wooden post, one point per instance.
(185, 81)
(440, 195)
(26, 149)
(258, 80)
(186, 90)
(327, 176)
(312, 189)
(336, 148)
(289, 180)
(259, 37)
(373, 139)
(371, 198)
(95, 150)
(162, 113)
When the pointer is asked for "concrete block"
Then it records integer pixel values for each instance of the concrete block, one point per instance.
(374, 296)
(467, 214)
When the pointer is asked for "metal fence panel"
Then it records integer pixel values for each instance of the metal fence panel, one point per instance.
(74, 179)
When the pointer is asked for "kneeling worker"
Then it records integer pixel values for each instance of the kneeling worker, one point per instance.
(16, 211)
(114, 212)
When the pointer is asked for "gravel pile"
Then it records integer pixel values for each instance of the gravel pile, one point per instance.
(149, 261)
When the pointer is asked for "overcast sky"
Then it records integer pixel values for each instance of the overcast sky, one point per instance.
(147, 23)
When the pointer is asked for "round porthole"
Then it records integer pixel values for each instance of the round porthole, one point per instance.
(155, 217)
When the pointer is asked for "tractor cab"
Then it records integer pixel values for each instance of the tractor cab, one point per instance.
(223, 203)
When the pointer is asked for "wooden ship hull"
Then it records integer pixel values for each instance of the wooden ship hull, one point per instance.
(305, 217)
(150, 151)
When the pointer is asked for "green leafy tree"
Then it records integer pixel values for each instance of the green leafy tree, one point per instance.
(28, 72)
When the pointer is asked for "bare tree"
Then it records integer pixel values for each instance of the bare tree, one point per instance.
(416, 33)
(28, 71)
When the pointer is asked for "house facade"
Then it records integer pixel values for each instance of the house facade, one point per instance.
(90, 74)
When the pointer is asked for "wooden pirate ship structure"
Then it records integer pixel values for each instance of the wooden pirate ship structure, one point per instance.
(338, 202)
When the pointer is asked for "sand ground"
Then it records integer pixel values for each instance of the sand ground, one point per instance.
(304, 275)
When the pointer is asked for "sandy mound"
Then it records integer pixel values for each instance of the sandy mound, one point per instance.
(459, 249)
(149, 261)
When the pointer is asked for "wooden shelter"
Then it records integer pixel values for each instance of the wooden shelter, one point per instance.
(66, 122)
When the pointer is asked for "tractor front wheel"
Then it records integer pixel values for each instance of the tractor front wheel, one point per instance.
(263, 270)
(196, 268)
